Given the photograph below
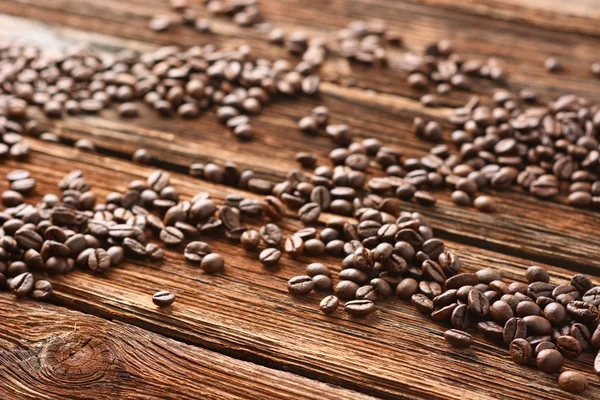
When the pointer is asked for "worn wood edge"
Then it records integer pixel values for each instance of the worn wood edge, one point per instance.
(49, 352)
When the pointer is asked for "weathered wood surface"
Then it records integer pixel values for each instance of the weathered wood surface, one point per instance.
(50, 352)
(568, 237)
(247, 313)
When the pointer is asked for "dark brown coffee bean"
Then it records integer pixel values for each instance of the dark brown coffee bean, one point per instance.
(491, 330)
(42, 290)
(212, 263)
(314, 247)
(430, 289)
(537, 289)
(98, 260)
(537, 325)
(171, 236)
(582, 283)
(479, 305)
(322, 283)
(537, 274)
(460, 318)
(163, 298)
(315, 269)
(359, 308)
(424, 198)
(460, 280)
(250, 239)
(485, 204)
(520, 351)
(270, 257)
(309, 213)
(526, 308)
(568, 346)
(549, 361)
(366, 292)
(555, 313)
(457, 338)
(134, 248)
(406, 288)
(515, 328)
(195, 251)
(422, 303)
(444, 313)
(153, 252)
(433, 271)
(329, 304)
(592, 296)
(501, 312)
(21, 285)
(582, 311)
(582, 334)
(346, 290)
(382, 288)
(573, 381)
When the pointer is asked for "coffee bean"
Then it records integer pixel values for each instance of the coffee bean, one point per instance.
(270, 234)
(582, 334)
(273, 208)
(42, 290)
(423, 304)
(314, 247)
(153, 252)
(537, 274)
(555, 313)
(294, 246)
(491, 330)
(537, 325)
(171, 236)
(444, 313)
(582, 283)
(250, 239)
(98, 260)
(582, 311)
(520, 351)
(346, 290)
(460, 280)
(457, 338)
(424, 198)
(549, 361)
(163, 298)
(212, 263)
(322, 283)
(309, 213)
(329, 304)
(573, 381)
(433, 271)
(592, 296)
(526, 308)
(485, 204)
(270, 257)
(568, 346)
(133, 248)
(359, 308)
(22, 284)
(300, 285)
(195, 251)
(501, 312)
(406, 288)
(479, 305)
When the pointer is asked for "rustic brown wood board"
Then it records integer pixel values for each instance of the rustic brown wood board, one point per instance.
(239, 334)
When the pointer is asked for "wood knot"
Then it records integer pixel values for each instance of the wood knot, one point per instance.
(73, 359)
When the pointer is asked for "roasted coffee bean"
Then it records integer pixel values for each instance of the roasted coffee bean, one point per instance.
(323, 283)
(491, 330)
(273, 208)
(366, 292)
(382, 288)
(537, 289)
(315, 269)
(444, 313)
(22, 284)
(460, 318)
(520, 351)
(424, 198)
(98, 260)
(582, 283)
(171, 236)
(314, 247)
(250, 239)
(406, 288)
(568, 346)
(42, 290)
(479, 305)
(526, 308)
(573, 381)
(460, 280)
(543, 346)
(359, 308)
(28, 239)
(270, 257)
(163, 298)
(133, 248)
(433, 271)
(592, 296)
(430, 289)
(329, 304)
(555, 313)
(537, 325)
(582, 334)
(117, 255)
(582, 311)
(457, 338)
(294, 246)
(537, 274)
(195, 251)
(501, 312)
(309, 213)
(549, 361)
(346, 290)
(515, 328)
(422, 303)
(212, 263)
(488, 275)
(154, 252)
(270, 234)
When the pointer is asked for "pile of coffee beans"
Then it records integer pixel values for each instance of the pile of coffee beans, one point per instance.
(390, 252)
(169, 80)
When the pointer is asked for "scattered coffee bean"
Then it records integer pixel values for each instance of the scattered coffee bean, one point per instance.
(163, 298)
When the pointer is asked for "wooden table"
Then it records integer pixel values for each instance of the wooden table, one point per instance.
(239, 334)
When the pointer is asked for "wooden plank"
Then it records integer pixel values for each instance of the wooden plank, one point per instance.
(523, 47)
(247, 313)
(50, 352)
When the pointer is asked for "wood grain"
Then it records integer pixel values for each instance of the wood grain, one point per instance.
(50, 352)
(247, 313)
